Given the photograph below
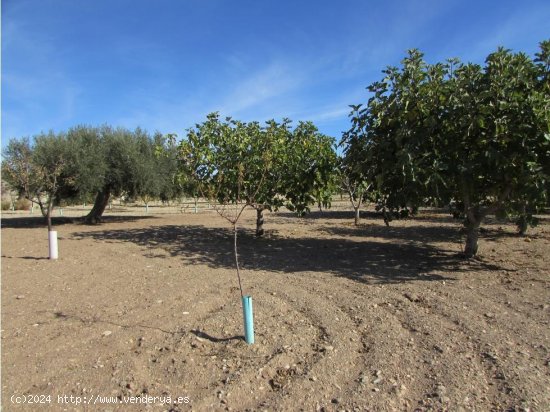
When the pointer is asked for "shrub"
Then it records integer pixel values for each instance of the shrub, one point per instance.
(6, 205)
(23, 204)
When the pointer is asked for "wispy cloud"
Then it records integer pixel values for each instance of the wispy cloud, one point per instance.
(270, 82)
(169, 79)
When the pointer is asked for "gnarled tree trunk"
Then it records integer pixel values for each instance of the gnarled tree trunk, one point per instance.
(101, 201)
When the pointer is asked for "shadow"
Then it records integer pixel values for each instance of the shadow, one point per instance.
(433, 215)
(68, 317)
(424, 234)
(204, 335)
(348, 213)
(329, 214)
(33, 222)
(361, 260)
(24, 257)
(120, 219)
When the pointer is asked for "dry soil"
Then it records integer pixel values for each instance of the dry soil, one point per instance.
(367, 318)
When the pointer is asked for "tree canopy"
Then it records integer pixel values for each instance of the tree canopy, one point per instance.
(473, 136)
(264, 167)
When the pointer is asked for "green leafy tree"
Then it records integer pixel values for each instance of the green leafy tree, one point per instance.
(20, 171)
(171, 185)
(356, 176)
(239, 165)
(309, 168)
(263, 167)
(356, 186)
(85, 161)
(39, 172)
(469, 135)
(129, 165)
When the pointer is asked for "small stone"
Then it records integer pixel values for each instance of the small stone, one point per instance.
(106, 333)
(375, 390)
(335, 401)
(412, 297)
(528, 239)
(20, 297)
(185, 313)
(328, 348)
(440, 390)
(489, 315)
(377, 381)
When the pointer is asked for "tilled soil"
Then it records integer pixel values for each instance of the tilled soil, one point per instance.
(367, 318)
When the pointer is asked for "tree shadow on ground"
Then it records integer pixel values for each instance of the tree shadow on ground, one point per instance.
(433, 233)
(72, 317)
(330, 214)
(34, 222)
(204, 335)
(363, 261)
(431, 215)
(416, 233)
(25, 257)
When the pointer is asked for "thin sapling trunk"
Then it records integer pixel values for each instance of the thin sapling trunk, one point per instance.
(237, 257)
(49, 214)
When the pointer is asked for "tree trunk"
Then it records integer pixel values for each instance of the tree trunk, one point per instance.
(101, 201)
(522, 221)
(43, 210)
(49, 214)
(357, 215)
(472, 236)
(259, 222)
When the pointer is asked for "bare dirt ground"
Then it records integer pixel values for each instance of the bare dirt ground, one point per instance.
(347, 318)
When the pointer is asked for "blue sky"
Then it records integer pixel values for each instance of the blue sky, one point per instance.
(164, 64)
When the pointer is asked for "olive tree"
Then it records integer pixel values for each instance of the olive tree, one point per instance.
(129, 165)
(39, 171)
